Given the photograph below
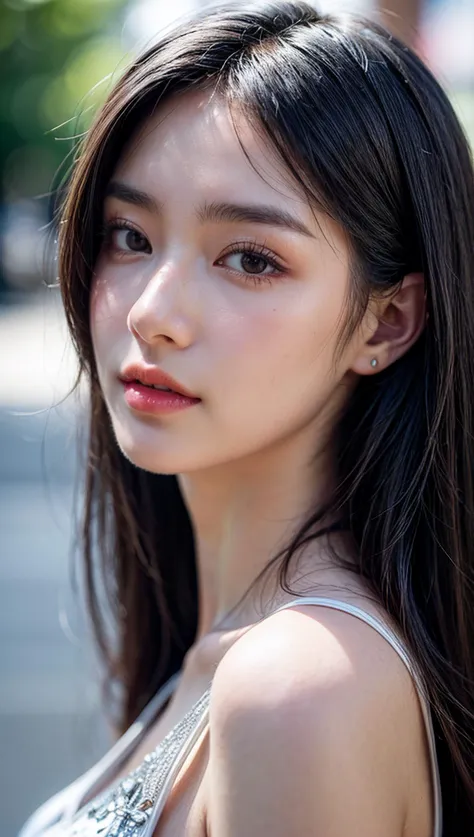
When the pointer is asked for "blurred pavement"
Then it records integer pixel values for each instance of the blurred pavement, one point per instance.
(51, 726)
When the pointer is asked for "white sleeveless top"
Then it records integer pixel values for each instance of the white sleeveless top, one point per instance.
(131, 806)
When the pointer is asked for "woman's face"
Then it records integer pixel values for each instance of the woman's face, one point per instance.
(224, 278)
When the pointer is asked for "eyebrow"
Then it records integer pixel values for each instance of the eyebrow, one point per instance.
(216, 212)
(254, 214)
(129, 194)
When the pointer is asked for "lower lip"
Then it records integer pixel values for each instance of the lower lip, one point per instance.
(149, 400)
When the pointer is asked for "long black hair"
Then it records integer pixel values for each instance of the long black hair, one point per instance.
(371, 138)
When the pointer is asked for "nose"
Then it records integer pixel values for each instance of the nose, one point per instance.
(163, 312)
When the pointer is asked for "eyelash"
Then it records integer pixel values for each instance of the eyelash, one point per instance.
(118, 224)
(242, 247)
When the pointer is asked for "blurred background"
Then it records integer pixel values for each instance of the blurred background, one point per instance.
(58, 58)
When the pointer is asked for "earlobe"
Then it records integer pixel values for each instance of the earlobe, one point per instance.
(400, 320)
(368, 363)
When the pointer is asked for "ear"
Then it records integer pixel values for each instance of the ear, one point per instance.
(396, 324)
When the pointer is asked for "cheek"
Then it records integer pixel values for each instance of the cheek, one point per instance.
(107, 325)
(108, 308)
(286, 342)
(244, 340)
(115, 289)
(273, 373)
(105, 302)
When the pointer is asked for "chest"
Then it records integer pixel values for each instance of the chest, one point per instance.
(180, 781)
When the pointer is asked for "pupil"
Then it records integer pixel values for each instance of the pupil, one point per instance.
(134, 240)
(253, 264)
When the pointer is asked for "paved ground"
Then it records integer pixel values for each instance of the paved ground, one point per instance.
(51, 727)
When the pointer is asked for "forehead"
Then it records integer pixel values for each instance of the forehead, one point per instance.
(196, 139)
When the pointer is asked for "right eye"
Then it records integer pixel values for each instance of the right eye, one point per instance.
(123, 237)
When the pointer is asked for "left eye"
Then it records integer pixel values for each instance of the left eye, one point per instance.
(251, 262)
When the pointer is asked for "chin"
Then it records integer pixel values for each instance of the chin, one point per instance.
(149, 458)
(158, 455)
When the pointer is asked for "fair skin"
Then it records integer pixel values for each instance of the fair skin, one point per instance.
(252, 458)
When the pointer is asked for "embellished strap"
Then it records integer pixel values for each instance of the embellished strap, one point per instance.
(185, 736)
(131, 807)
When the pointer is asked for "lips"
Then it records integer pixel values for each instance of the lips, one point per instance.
(153, 376)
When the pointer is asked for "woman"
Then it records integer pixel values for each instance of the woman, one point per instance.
(273, 216)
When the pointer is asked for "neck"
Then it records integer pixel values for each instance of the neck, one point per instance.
(243, 513)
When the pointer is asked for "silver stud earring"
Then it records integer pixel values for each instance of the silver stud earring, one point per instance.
(374, 362)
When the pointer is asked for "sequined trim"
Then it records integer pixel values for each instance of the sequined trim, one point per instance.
(127, 807)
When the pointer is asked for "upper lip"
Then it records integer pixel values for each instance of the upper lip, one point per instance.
(152, 375)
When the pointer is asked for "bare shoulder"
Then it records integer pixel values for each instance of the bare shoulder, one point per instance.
(324, 691)
(315, 652)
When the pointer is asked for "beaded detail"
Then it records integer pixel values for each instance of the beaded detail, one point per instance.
(131, 806)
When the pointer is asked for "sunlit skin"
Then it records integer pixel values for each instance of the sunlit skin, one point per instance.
(258, 348)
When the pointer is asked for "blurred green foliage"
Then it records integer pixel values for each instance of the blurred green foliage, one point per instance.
(56, 59)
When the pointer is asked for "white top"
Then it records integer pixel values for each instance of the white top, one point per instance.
(131, 807)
